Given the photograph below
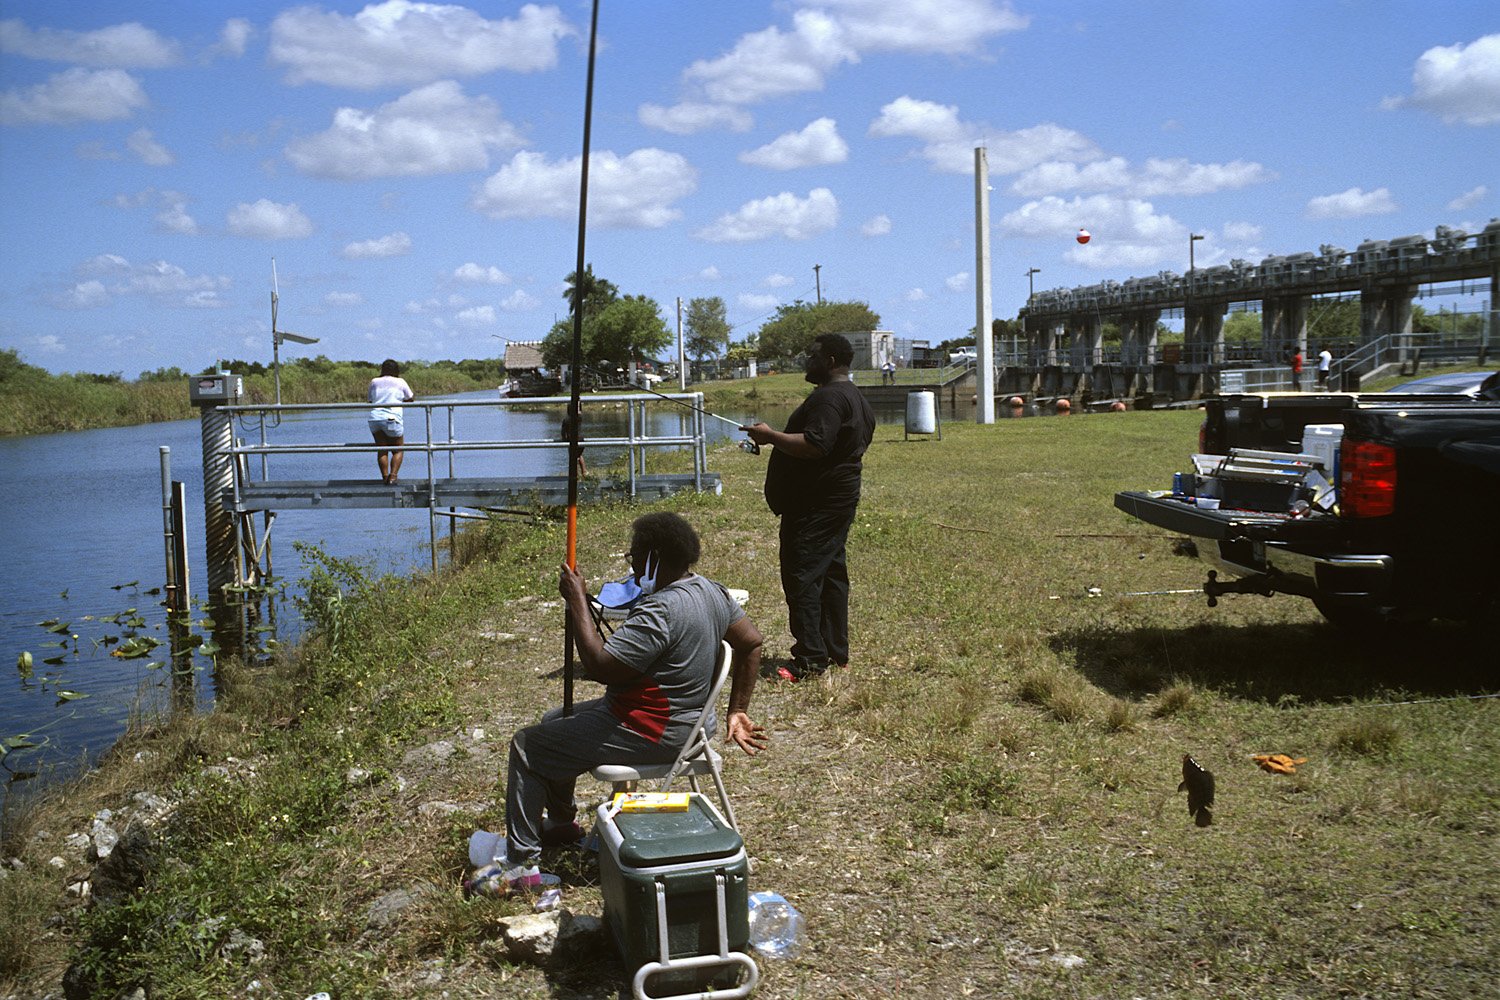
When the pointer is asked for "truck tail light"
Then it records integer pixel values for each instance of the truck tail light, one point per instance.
(1367, 479)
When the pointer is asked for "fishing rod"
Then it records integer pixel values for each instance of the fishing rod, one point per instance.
(574, 423)
(748, 445)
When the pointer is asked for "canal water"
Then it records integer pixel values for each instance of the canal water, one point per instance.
(82, 537)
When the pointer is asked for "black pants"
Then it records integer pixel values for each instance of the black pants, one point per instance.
(815, 580)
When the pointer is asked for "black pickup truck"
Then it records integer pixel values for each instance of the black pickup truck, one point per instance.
(1409, 530)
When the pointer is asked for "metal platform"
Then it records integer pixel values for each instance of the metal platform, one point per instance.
(523, 491)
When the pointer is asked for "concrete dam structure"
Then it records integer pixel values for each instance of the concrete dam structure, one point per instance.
(1064, 353)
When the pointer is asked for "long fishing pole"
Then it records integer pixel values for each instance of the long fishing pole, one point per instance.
(689, 406)
(574, 421)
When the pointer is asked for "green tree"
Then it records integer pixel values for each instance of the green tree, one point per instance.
(628, 329)
(707, 330)
(791, 331)
(1242, 328)
(597, 292)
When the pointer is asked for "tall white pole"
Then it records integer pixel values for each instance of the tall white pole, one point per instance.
(984, 409)
(681, 357)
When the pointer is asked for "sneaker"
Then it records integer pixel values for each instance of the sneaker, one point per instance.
(785, 674)
(561, 835)
(503, 879)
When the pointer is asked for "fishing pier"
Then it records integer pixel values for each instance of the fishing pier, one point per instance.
(445, 474)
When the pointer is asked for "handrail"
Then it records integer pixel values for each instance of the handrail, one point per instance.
(635, 442)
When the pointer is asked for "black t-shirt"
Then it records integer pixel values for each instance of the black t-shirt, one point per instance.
(836, 419)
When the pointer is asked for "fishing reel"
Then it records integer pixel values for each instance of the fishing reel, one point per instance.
(750, 446)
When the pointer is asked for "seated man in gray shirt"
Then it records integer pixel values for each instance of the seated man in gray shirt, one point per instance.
(657, 669)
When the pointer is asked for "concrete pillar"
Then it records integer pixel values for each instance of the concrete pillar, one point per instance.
(1090, 338)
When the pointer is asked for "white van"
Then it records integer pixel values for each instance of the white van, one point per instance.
(963, 356)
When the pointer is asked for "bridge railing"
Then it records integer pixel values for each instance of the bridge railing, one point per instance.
(263, 418)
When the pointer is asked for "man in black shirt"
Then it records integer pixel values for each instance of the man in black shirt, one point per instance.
(812, 483)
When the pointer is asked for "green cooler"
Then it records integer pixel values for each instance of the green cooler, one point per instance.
(675, 900)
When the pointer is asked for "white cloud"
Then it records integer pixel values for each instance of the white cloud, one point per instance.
(773, 63)
(49, 343)
(235, 36)
(1241, 232)
(109, 276)
(85, 295)
(1469, 199)
(396, 244)
(130, 44)
(757, 302)
(953, 27)
(151, 152)
(817, 145)
(957, 282)
(477, 316)
(399, 42)
(267, 220)
(74, 95)
(1128, 232)
(948, 142)
(1458, 83)
(876, 225)
(691, 117)
(827, 34)
(474, 274)
(633, 192)
(1351, 204)
(1157, 177)
(710, 273)
(778, 280)
(343, 299)
(916, 295)
(174, 217)
(435, 129)
(779, 215)
(519, 301)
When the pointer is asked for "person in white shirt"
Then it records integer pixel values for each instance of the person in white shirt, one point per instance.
(1325, 362)
(387, 389)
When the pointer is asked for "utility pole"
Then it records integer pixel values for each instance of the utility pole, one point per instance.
(818, 280)
(984, 336)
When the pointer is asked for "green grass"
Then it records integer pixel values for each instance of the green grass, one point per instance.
(991, 785)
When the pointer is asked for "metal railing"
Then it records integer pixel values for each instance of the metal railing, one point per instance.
(636, 442)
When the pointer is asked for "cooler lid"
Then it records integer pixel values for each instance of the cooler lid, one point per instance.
(652, 839)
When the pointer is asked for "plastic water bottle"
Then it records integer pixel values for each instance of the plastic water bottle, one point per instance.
(776, 928)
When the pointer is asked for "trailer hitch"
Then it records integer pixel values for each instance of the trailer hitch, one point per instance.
(1258, 584)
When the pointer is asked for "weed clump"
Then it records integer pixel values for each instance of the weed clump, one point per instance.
(1366, 736)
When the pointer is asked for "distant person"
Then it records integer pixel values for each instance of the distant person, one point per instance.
(813, 485)
(1297, 369)
(888, 373)
(1325, 363)
(386, 389)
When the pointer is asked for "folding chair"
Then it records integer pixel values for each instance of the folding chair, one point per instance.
(698, 755)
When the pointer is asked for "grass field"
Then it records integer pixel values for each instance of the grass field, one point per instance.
(984, 805)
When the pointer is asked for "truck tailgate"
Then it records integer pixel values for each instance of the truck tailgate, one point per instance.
(1222, 525)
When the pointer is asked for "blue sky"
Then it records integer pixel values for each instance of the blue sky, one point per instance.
(412, 167)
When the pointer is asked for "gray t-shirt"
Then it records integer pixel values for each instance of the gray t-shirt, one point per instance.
(672, 637)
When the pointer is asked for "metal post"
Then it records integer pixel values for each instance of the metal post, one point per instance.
(220, 544)
(818, 279)
(984, 412)
(168, 539)
(681, 354)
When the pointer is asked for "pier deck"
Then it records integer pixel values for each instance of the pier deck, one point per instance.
(520, 491)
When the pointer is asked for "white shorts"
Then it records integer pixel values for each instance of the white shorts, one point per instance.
(390, 428)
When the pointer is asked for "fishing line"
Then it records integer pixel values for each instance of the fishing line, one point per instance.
(749, 446)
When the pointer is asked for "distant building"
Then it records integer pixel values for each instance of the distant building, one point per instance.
(872, 348)
(522, 357)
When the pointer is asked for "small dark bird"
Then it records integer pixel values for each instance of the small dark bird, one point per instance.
(1198, 782)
